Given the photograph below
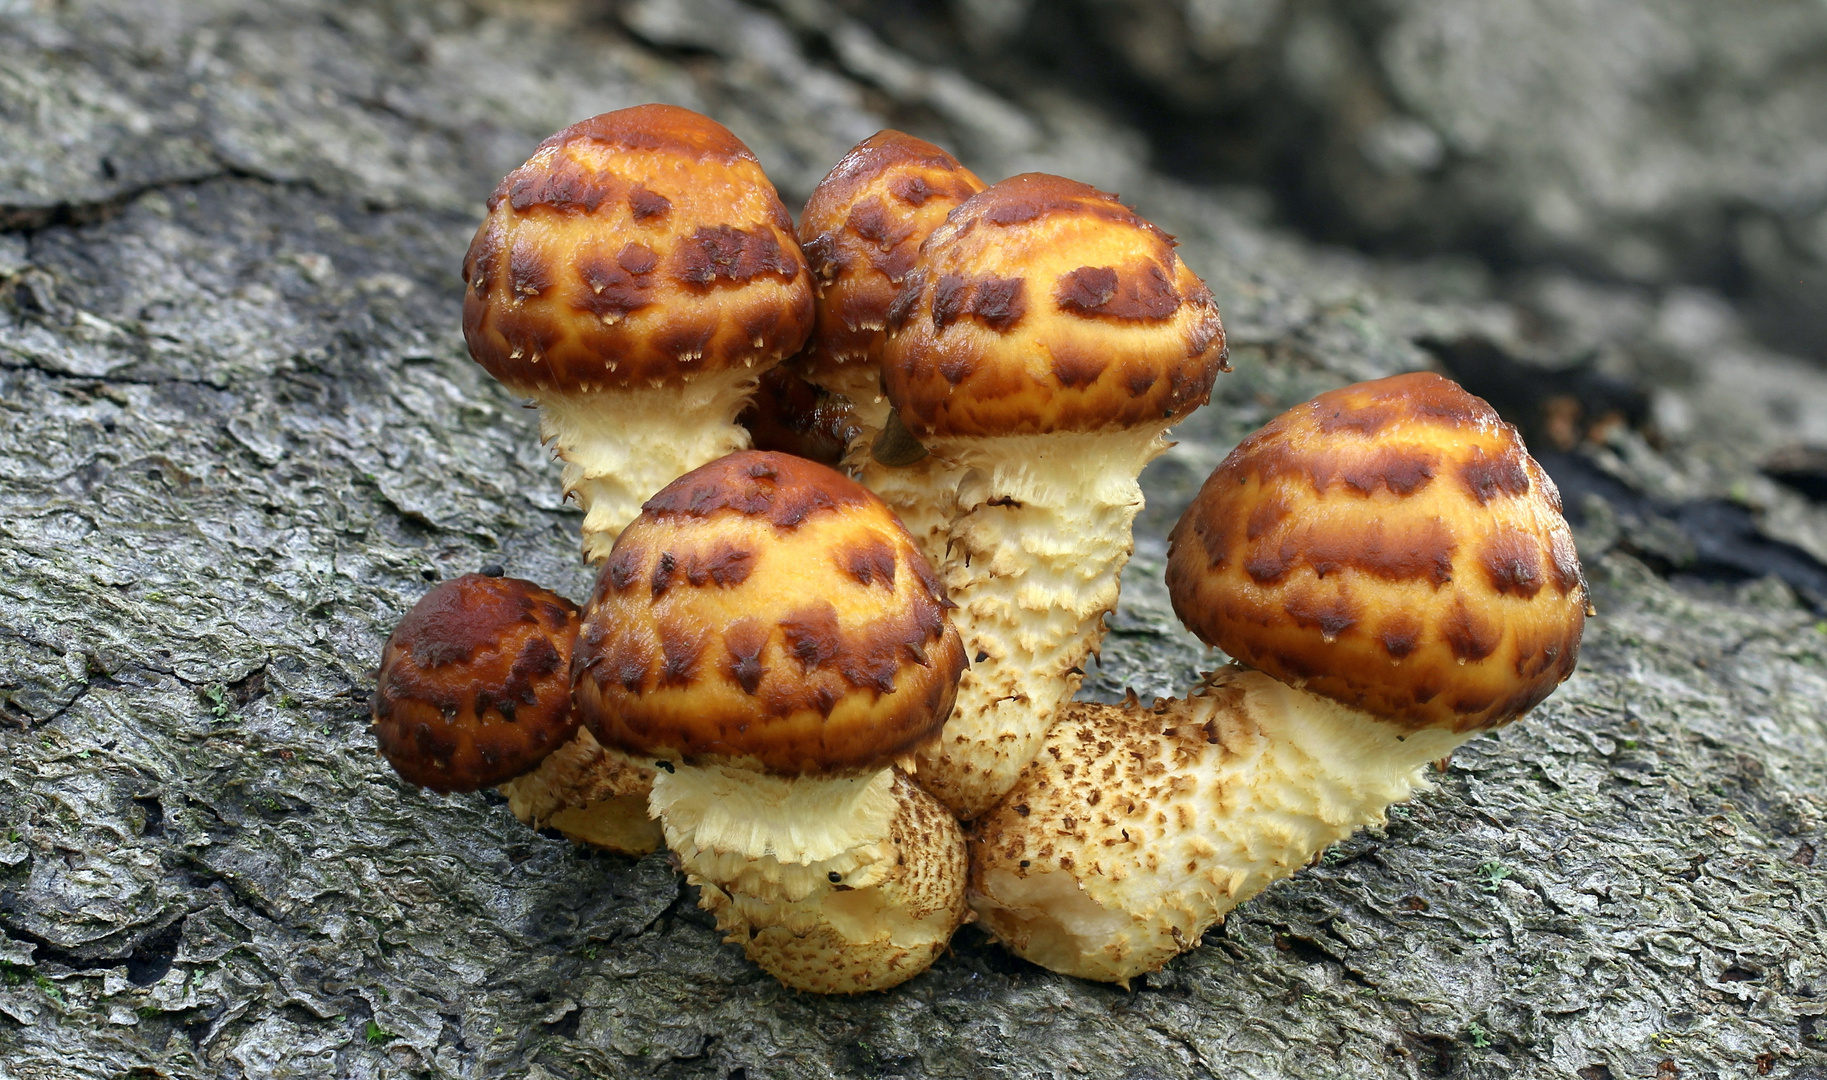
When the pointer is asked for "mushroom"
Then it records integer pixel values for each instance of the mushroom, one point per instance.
(591, 794)
(793, 416)
(633, 279)
(767, 629)
(475, 691)
(1395, 568)
(475, 683)
(1044, 342)
(862, 230)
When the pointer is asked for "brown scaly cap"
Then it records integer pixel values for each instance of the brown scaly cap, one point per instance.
(764, 607)
(475, 683)
(862, 229)
(1045, 305)
(643, 244)
(1390, 545)
(794, 417)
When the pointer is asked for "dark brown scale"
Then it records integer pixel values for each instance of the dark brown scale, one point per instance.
(1076, 368)
(624, 567)
(725, 566)
(484, 257)
(685, 340)
(907, 300)
(637, 258)
(570, 190)
(744, 641)
(951, 299)
(1364, 420)
(1087, 288)
(813, 636)
(1332, 616)
(1141, 380)
(1400, 635)
(1144, 293)
(711, 254)
(1471, 637)
(1512, 563)
(870, 563)
(682, 650)
(778, 492)
(871, 666)
(1000, 302)
(645, 204)
(1397, 470)
(1206, 331)
(1566, 563)
(628, 665)
(661, 580)
(1421, 554)
(869, 220)
(528, 274)
(612, 290)
(1486, 477)
(912, 189)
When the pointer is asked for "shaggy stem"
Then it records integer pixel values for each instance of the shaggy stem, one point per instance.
(1037, 543)
(923, 495)
(1137, 829)
(620, 446)
(591, 793)
(836, 885)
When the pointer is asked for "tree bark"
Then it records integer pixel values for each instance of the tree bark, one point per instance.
(241, 437)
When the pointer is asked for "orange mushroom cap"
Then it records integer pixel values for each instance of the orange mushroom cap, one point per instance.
(1392, 546)
(1043, 304)
(766, 609)
(862, 230)
(643, 244)
(475, 683)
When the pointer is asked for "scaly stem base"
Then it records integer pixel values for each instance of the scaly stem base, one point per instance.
(1137, 829)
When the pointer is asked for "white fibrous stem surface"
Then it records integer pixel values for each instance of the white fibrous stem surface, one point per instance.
(1137, 829)
(594, 794)
(923, 495)
(775, 836)
(832, 885)
(1038, 540)
(622, 445)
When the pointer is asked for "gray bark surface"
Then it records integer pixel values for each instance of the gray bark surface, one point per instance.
(241, 437)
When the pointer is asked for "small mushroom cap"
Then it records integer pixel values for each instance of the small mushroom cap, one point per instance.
(767, 611)
(1392, 546)
(643, 244)
(1044, 305)
(475, 683)
(862, 229)
(793, 416)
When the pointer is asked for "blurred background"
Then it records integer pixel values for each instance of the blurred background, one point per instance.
(1648, 146)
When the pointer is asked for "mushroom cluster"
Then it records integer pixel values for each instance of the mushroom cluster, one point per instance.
(831, 652)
